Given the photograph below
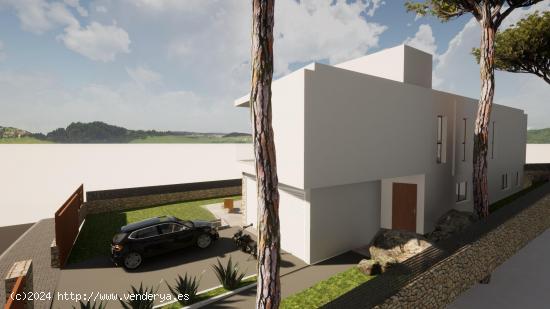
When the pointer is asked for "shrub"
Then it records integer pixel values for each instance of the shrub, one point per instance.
(90, 305)
(229, 276)
(141, 299)
(185, 286)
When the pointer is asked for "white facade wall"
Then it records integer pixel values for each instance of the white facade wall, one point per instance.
(293, 216)
(350, 135)
(538, 154)
(363, 128)
(342, 218)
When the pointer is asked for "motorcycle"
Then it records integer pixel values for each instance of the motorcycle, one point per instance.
(245, 243)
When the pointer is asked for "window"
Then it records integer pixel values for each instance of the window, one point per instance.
(464, 141)
(517, 179)
(493, 141)
(461, 191)
(440, 139)
(145, 233)
(504, 181)
(168, 228)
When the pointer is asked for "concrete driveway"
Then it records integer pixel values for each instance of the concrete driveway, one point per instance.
(100, 276)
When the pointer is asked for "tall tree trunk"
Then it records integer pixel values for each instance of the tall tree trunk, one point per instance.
(269, 286)
(481, 130)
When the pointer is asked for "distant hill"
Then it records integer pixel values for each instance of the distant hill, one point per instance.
(100, 132)
(237, 134)
(9, 132)
(541, 136)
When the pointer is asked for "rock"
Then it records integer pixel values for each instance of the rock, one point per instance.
(369, 267)
(394, 246)
(450, 223)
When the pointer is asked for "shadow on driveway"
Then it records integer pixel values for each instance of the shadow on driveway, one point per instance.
(99, 275)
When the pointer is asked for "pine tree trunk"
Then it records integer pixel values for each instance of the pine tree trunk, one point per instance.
(269, 286)
(481, 130)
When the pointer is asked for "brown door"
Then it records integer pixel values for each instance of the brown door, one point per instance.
(404, 207)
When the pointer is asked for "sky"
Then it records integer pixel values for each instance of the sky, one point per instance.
(179, 64)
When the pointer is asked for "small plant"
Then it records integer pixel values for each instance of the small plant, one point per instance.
(229, 276)
(141, 298)
(91, 305)
(186, 286)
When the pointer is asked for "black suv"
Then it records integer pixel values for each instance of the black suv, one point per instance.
(159, 235)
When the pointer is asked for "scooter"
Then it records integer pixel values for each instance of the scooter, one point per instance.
(245, 243)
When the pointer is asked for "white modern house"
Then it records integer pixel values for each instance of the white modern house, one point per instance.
(368, 144)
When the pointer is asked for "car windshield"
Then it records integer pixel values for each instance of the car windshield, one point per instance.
(187, 224)
(118, 237)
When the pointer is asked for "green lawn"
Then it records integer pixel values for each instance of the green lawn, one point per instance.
(211, 293)
(98, 230)
(326, 291)
(177, 139)
(23, 140)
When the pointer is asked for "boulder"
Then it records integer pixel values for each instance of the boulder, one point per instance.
(450, 223)
(369, 267)
(395, 246)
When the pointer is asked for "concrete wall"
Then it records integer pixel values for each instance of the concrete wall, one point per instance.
(363, 128)
(538, 153)
(288, 125)
(36, 179)
(401, 63)
(343, 218)
(507, 157)
(293, 215)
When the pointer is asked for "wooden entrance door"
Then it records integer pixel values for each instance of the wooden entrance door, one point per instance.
(404, 207)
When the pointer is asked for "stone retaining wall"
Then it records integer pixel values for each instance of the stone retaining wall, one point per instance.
(536, 173)
(443, 282)
(125, 203)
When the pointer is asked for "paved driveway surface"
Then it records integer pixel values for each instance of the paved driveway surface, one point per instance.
(99, 275)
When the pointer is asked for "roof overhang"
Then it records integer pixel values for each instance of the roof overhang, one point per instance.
(242, 101)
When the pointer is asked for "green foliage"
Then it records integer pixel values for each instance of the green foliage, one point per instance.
(229, 276)
(442, 9)
(524, 47)
(95, 237)
(541, 136)
(327, 290)
(140, 298)
(187, 286)
(91, 305)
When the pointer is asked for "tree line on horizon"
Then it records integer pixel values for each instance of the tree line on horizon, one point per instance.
(101, 132)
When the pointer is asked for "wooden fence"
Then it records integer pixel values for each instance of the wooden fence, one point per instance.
(67, 224)
(15, 296)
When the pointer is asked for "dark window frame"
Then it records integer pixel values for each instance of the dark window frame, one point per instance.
(464, 140)
(493, 141)
(439, 139)
(504, 181)
(461, 198)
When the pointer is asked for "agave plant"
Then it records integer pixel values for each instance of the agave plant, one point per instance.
(141, 299)
(91, 305)
(229, 276)
(187, 286)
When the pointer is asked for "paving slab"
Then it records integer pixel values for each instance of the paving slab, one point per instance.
(233, 218)
(33, 244)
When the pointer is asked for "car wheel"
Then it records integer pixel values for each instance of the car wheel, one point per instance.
(132, 260)
(204, 241)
